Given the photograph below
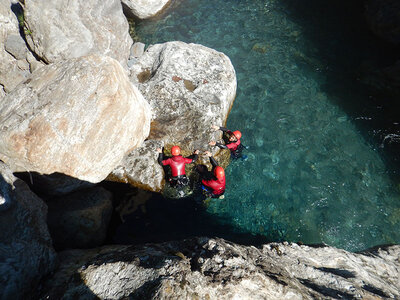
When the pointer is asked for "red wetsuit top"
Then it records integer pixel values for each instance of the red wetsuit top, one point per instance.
(233, 146)
(177, 164)
(230, 145)
(216, 185)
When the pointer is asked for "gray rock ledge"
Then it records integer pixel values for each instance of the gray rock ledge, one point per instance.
(202, 268)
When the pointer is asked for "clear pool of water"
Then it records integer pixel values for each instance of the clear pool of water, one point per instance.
(314, 171)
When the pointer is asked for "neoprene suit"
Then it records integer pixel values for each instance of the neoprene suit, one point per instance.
(214, 185)
(233, 146)
(177, 163)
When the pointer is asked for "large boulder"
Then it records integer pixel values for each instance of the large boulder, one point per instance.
(80, 219)
(61, 29)
(26, 252)
(144, 9)
(202, 268)
(14, 54)
(189, 87)
(77, 117)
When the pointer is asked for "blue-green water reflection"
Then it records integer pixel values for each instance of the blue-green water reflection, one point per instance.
(312, 175)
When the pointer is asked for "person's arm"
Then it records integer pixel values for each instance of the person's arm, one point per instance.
(222, 146)
(216, 127)
(160, 158)
(213, 162)
(194, 156)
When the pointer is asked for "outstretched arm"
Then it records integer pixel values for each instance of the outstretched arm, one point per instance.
(213, 162)
(216, 127)
(212, 159)
(160, 156)
(194, 156)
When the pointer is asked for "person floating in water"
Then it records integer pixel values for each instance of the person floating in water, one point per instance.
(177, 164)
(212, 183)
(232, 141)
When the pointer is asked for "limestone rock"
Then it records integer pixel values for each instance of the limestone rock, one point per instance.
(64, 29)
(26, 252)
(383, 17)
(12, 48)
(139, 168)
(189, 87)
(80, 219)
(144, 9)
(202, 268)
(77, 117)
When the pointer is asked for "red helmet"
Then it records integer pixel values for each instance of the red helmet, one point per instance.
(175, 150)
(219, 172)
(237, 134)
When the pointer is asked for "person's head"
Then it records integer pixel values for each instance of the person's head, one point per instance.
(219, 172)
(175, 150)
(236, 135)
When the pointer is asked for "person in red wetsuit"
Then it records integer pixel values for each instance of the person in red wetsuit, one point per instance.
(232, 141)
(177, 164)
(213, 183)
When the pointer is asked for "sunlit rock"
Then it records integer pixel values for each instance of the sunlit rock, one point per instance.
(202, 268)
(144, 9)
(77, 117)
(189, 87)
(69, 29)
(80, 219)
(14, 67)
(26, 252)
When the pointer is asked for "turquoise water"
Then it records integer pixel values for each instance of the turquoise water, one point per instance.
(315, 172)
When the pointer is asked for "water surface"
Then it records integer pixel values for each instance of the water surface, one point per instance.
(315, 172)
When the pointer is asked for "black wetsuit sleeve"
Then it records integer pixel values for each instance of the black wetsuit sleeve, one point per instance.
(193, 157)
(160, 158)
(213, 162)
(223, 129)
(222, 146)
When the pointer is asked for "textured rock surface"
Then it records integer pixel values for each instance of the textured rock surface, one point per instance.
(26, 252)
(13, 51)
(144, 9)
(216, 269)
(189, 87)
(383, 17)
(69, 29)
(139, 168)
(78, 117)
(80, 219)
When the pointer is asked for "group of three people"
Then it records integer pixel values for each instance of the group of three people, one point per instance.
(212, 183)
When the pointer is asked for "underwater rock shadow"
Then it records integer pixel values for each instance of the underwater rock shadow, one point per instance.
(159, 219)
(343, 28)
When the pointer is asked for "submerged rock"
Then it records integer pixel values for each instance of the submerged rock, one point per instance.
(77, 117)
(189, 87)
(26, 252)
(202, 268)
(62, 30)
(144, 9)
(80, 219)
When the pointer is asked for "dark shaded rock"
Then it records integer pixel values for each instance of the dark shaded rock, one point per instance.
(383, 17)
(26, 252)
(80, 219)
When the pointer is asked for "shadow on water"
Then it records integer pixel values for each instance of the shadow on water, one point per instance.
(351, 53)
(157, 219)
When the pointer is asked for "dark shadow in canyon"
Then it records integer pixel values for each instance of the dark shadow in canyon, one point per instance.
(157, 219)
